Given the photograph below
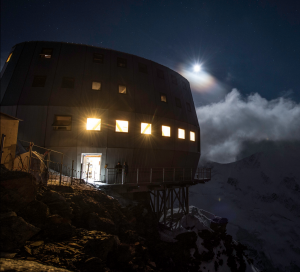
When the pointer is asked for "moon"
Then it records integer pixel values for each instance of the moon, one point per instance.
(197, 68)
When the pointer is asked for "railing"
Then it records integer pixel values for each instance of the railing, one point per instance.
(155, 175)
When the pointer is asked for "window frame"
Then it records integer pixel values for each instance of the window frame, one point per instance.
(163, 94)
(146, 128)
(162, 131)
(122, 131)
(100, 86)
(120, 60)
(98, 60)
(194, 136)
(42, 55)
(94, 129)
(125, 88)
(178, 133)
(59, 115)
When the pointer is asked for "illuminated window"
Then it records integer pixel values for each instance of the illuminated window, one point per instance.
(166, 131)
(122, 89)
(121, 126)
(160, 74)
(62, 122)
(9, 57)
(143, 68)
(145, 128)
(181, 133)
(96, 86)
(67, 82)
(46, 53)
(178, 102)
(192, 136)
(93, 124)
(188, 107)
(163, 98)
(98, 58)
(121, 62)
(39, 81)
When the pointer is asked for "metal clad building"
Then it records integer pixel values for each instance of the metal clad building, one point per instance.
(55, 87)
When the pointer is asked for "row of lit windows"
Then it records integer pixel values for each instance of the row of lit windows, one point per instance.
(68, 82)
(46, 53)
(65, 122)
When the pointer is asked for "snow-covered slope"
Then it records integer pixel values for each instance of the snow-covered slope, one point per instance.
(260, 196)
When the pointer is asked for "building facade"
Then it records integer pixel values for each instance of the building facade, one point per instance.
(100, 106)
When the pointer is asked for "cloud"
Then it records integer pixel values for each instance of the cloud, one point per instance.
(228, 124)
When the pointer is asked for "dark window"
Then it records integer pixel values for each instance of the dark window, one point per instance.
(67, 82)
(184, 85)
(188, 106)
(163, 98)
(62, 122)
(174, 79)
(160, 74)
(121, 62)
(98, 58)
(178, 102)
(46, 53)
(39, 81)
(143, 68)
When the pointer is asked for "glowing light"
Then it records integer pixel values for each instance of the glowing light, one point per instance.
(197, 68)
(192, 136)
(166, 131)
(181, 133)
(121, 126)
(93, 124)
(145, 128)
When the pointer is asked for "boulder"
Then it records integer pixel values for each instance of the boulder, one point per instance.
(21, 266)
(56, 203)
(100, 223)
(35, 213)
(58, 228)
(17, 190)
(14, 231)
(99, 244)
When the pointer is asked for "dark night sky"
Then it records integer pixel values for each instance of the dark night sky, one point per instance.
(252, 46)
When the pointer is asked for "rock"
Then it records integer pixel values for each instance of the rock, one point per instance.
(94, 264)
(100, 223)
(219, 224)
(21, 266)
(36, 213)
(58, 228)
(14, 232)
(17, 190)
(99, 244)
(7, 255)
(188, 239)
(56, 203)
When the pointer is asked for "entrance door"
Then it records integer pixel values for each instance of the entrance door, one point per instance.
(92, 166)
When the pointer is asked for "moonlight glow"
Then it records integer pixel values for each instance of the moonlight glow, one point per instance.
(197, 68)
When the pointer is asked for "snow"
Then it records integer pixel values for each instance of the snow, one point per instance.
(260, 196)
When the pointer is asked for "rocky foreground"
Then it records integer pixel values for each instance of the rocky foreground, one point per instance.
(64, 228)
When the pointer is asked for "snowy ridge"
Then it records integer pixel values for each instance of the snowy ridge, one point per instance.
(260, 196)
